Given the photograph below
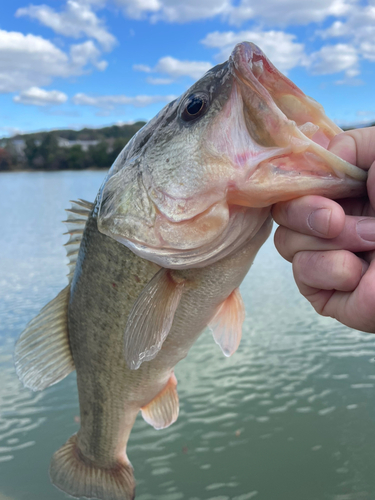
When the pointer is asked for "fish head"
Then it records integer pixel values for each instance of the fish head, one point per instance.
(201, 177)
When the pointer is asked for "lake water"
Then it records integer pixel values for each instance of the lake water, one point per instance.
(291, 416)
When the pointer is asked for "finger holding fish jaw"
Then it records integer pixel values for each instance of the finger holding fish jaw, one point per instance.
(333, 257)
(331, 245)
(353, 233)
(338, 284)
(309, 215)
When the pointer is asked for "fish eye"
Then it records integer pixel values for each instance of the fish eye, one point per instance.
(194, 107)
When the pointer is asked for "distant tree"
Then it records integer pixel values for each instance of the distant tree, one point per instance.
(48, 152)
(30, 151)
(99, 155)
(43, 152)
(76, 158)
(5, 160)
(118, 146)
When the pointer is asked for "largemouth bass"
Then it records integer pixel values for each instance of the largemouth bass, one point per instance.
(161, 253)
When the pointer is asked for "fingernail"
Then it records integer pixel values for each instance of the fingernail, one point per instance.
(319, 220)
(366, 229)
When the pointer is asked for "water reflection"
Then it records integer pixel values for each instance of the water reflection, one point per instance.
(289, 416)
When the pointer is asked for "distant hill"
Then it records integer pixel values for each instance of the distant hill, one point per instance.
(66, 149)
(351, 127)
(87, 134)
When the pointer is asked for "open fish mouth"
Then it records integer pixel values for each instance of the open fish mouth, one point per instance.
(292, 131)
(265, 142)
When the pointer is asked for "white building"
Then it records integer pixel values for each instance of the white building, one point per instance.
(66, 143)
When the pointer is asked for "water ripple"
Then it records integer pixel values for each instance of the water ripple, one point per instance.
(292, 411)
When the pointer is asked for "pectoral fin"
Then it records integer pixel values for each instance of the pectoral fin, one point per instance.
(226, 325)
(163, 410)
(151, 318)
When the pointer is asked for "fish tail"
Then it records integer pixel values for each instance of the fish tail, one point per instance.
(77, 476)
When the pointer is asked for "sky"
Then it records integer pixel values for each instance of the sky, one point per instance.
(92, 63)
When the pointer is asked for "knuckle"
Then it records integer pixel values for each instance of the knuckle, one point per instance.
(282, 242)
(302, 263)
(348, 271)
(277, 212)
(306, 260)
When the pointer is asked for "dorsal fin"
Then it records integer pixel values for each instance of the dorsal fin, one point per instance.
(76, 221)
(43, 356)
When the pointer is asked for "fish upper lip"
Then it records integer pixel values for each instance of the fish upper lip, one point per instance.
(243, 59)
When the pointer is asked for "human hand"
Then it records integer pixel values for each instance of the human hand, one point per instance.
(332, 244)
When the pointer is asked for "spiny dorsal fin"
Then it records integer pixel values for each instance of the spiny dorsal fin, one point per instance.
(76, 221)
(162, 411)
(43, 355)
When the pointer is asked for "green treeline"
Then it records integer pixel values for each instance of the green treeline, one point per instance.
(57, 150)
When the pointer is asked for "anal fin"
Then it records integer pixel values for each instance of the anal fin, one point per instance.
(226, 325)
(163, 410)
(43, 356)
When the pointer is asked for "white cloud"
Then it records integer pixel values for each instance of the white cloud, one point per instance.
(289, 12)
(352, 82)
(32, 61)
(280, 47)
(367, 50)
(136, 9)
(174, 10)
(274, 12)
(159, 81)
(110, 102)
(28, 60)
(338, 28)
(358, 28)
(85, 53)
(142, 67)
(175, 68)
(39, 97)
(76, 21)
(365, 113)
(335, 58)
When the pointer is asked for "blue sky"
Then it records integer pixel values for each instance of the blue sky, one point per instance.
(76, 63)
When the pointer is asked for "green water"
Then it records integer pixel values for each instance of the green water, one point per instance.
(291, 416)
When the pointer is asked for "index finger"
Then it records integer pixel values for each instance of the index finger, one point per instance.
(311, 215)
(355, 146)
(358, 147)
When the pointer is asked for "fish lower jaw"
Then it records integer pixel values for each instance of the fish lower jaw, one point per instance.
(284, 185)
(243, 224)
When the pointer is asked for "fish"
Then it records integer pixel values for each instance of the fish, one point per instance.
(161, 252)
